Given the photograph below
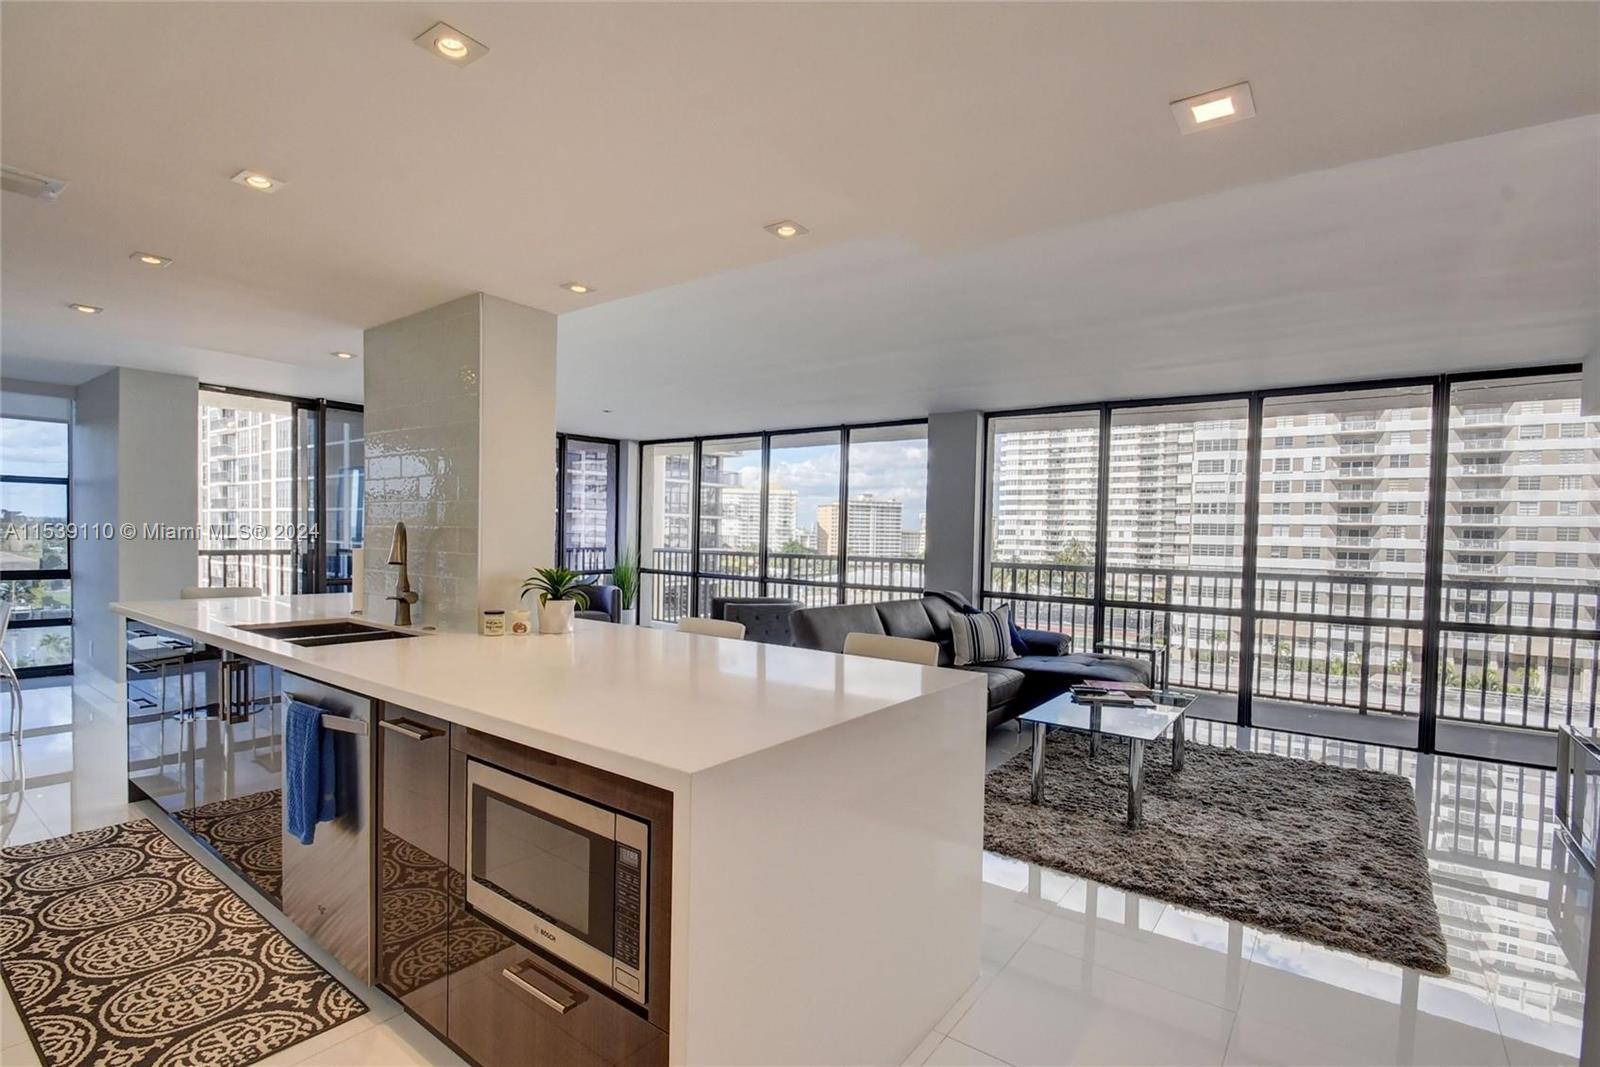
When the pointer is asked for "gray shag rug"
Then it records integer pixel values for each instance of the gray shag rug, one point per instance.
(1321, 853)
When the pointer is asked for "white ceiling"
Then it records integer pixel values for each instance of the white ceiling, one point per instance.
(1003, 212)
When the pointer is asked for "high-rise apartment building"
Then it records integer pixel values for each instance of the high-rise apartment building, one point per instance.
(246, 472)
(875, 527)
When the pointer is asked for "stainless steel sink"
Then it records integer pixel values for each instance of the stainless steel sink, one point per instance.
(314, 633)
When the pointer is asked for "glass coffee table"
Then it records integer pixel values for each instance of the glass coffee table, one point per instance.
(1136, 725)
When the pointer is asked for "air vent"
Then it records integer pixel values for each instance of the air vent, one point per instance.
(37, 186)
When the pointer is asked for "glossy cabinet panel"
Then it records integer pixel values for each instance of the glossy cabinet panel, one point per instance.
(416, 896)
(509, 1004)
(205, 741)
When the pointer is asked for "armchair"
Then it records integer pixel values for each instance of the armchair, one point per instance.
(605, 604)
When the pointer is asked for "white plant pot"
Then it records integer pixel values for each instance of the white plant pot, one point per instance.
(555, 616)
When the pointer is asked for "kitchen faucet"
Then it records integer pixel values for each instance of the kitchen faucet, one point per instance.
(403, 596)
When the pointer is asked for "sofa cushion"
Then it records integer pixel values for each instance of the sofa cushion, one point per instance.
(983, 637)
(1052, 675)
(826, 628)
(1004, 683)
(906, 618)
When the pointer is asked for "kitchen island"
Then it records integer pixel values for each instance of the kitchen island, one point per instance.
(825, 811)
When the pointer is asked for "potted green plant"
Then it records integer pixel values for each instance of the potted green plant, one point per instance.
(625, 576)
(561, 592)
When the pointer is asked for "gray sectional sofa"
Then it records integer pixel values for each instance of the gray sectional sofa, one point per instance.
(1046, 668)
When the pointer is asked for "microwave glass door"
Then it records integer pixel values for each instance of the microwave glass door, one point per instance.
(532, 846)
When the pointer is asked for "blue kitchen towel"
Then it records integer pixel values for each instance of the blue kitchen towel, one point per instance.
(310, 781)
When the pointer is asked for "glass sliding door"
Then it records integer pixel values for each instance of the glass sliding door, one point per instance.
(1175, 535)
(586, 518)
(252, 478)
(341, 526)
(1521, 576)
(884, 522)
(1340, 562)
(731, 502)
(666, 529)
(802, 506)
(1044, 487)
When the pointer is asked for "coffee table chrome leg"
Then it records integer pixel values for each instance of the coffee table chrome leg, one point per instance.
(1135, 782)
(1178, 739)
(1038, 760)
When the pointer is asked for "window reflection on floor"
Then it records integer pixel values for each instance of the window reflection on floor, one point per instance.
(1512, 902)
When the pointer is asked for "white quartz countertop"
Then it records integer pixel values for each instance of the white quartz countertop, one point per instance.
(651, 704)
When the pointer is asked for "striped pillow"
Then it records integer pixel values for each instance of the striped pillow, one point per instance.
(982, 637)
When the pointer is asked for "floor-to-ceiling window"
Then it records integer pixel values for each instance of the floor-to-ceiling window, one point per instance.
(729, 549)
(586, 504)
(1340, 557)
(281, 490)
(1175, 541)
(35, 552)
(803, 491)
(1044, 524)
(1412, 562)
(666, 530)
(885, 518)
(819, 516)
(1520, 596)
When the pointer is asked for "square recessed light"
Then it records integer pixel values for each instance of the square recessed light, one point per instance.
(577, 287)
(1219, 107)
(85, 309)
(260, 182)
(449, 43)
(785, 229)
(150, 259)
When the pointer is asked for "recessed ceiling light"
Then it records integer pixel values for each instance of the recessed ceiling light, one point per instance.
(255, 179)
(577, 287)
(150, 259)
(344, 355)
(86, 309)
(447, 42)
(1219, 107)
(784, 229)
(38, 186)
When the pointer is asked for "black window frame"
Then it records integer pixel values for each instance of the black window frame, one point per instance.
(763, 579)
(1432, 624)
(613, 500)
(37, 574)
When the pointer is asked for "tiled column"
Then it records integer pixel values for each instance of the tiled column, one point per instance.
(460, 438)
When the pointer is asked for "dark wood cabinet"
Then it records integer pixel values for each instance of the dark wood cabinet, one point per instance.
(491, 995)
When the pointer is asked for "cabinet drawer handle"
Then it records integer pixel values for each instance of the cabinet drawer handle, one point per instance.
(414, 730)
(560, 1001)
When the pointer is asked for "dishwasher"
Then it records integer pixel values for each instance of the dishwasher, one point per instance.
(327, 885)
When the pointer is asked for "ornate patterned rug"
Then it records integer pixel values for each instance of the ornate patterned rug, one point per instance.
(119, 948)
(1326, 854)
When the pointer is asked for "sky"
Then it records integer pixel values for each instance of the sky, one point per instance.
(893, 469)
(35, 448)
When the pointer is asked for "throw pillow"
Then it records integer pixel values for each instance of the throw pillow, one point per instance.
(982, 637)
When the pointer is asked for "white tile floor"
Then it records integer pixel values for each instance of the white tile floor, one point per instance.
(1074, 972)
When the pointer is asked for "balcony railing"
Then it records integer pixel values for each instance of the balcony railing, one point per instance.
(811, 578)
(1519, 654)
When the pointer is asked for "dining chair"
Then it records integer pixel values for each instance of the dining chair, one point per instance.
(882, 646)
(712, 628)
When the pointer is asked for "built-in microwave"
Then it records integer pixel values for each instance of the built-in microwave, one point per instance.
(568, 875)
